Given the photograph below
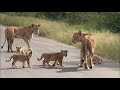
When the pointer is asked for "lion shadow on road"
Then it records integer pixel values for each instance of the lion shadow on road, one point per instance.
(41, 66)
(70, 69)
(61, 69)
(104, 64)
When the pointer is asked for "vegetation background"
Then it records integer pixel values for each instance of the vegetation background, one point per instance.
(60, 26)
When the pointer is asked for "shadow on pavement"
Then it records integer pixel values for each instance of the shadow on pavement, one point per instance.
(105, 64)
(69, 69)
(61, 69)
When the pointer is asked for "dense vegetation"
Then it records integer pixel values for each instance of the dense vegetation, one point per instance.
(90, 20)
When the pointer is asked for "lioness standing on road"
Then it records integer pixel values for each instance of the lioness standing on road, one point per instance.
(87, 48)
(26, 33)
(57, 57)
(21, 58)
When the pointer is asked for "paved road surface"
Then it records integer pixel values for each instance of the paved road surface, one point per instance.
(108, 69)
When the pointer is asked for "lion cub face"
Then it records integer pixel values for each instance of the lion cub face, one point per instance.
(19, 50)
(96, 59)
(64, 52)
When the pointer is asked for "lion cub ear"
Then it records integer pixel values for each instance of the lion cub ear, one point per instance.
(79, 32)
(17, 47)
(66, 50)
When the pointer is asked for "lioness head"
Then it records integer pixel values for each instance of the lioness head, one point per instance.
(77, 37)
(35, 28)
(64, 52)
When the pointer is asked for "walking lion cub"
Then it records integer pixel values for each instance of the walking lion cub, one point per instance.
(57, 57)
(21, 58)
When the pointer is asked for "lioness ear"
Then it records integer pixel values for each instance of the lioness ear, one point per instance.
(79, 32)
(66, 50)
(17, 47)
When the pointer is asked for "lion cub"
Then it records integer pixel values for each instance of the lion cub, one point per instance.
(96, 59)
(20, 50)
(21, 58)
(56, 56)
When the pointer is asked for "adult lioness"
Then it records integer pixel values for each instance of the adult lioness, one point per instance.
(25, 33)
(19, 50)
(87, 47)
(21, 58)
(57, 57)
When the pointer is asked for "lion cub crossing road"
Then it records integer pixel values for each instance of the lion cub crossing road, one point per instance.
(56, 56)
(21, 58)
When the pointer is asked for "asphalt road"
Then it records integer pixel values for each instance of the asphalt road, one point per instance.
(108, 69)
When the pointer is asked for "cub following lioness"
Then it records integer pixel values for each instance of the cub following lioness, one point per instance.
(57, 57)
(19, 50)
(21, 58)
(96, 59)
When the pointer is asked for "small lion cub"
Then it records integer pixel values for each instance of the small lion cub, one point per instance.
(57, 57)
(96, 59)
(21, 58)
(20, 50)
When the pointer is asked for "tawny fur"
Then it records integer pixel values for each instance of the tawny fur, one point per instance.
(56, 56)
(96, 59)
(87, 47)
(21, 58)
(25, 33)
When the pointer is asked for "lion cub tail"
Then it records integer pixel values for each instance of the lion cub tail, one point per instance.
(10, 59)
(41, 57)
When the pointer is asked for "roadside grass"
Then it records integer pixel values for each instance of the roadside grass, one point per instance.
(107, 43)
